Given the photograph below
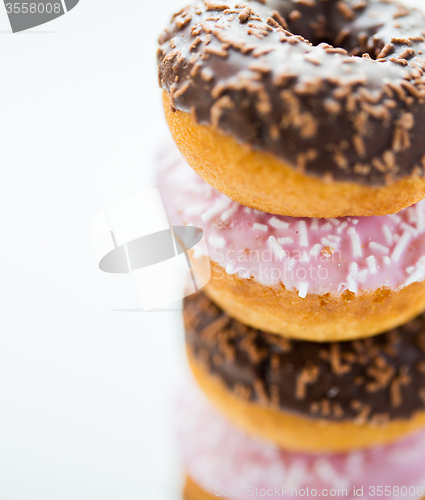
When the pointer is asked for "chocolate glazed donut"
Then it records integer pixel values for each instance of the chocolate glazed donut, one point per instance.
(303, 108)
(308, 396)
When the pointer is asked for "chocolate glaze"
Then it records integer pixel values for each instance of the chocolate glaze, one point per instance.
(365, 381)
(245, 69)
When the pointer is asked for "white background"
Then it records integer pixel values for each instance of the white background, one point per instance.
(85, 392)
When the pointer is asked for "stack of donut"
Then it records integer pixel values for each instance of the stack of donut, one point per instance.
(304, 124)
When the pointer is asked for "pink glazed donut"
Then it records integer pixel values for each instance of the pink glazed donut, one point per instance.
(312, 279)
(223, 461)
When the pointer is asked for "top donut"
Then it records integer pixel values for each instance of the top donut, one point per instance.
(306, 108)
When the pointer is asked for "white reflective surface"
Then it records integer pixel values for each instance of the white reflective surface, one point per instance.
(85, 392)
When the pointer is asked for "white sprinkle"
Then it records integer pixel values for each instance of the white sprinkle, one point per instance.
(194, 188)
(420, 219)
(355, 240)
(332, 237)
(411, 215)
(302, 225)
(341, 227)
(353, 267)
(213, 211)
(276, 248)
(286, 240)
(230, 268)
(355, 276)
(419, 273)
(242, 273)
(327, 243)
(303, 289)
(204, 189)
(247, 210)
(335, 222)
(410, 269)
(217, 241)
(258, 212)
(314, 224)
(401, 246)
(326, 227)
(260, 227)
(352, 285)
(386, 260)
(278, 224)
(290, 263)
(355, 221)
(305, 257)
(327, 473)
(379, 247)
(388, 235)
(361, 275)
(193, 210)
(296, 473)
(396, 218)
(407, 227)
(371, 262)
(314, 252)
(229, 212)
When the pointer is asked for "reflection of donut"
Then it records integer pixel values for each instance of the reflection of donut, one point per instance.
(218, 456)
(307, 396)
(337, 279)
(330, 134)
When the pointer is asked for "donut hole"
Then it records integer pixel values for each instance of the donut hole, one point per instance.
(360, 44)
(325, 25)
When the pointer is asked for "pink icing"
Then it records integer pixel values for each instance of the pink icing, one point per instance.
(221, 458)
(368, 252)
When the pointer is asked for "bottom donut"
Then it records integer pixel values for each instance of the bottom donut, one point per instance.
(221, 460)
